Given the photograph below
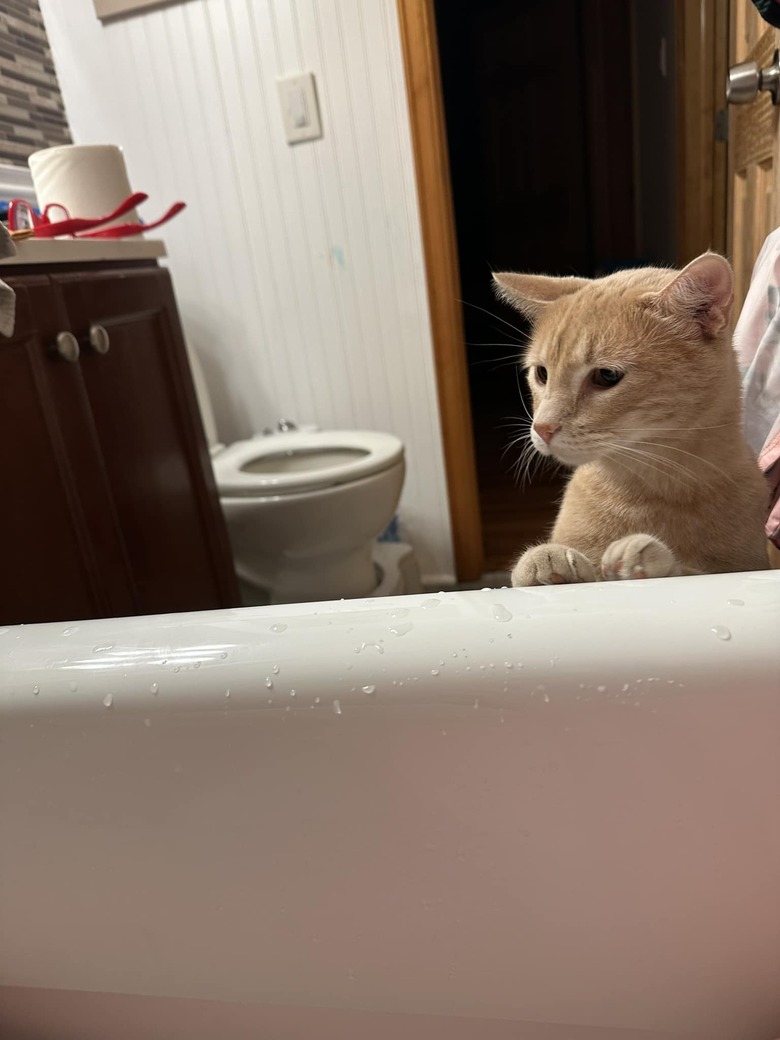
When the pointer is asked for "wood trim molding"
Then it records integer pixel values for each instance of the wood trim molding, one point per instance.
(426, 115)
(701, 44)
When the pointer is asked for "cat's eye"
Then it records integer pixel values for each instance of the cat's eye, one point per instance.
(606, 377)
(541, 374)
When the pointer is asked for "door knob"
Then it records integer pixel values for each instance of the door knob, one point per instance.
(745, 81)
(98, 339)
(67, 346)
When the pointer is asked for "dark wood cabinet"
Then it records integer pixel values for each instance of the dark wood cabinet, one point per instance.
(109, 506)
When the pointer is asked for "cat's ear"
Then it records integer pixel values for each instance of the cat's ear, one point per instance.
(530, 293)
(702, 293)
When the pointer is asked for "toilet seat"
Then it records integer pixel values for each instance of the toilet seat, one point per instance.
(295, 462)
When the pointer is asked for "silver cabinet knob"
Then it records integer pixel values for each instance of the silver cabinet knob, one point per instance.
(744, 82)
(98, 339)
(67, 346)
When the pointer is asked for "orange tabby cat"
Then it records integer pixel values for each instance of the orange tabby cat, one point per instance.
(636, 385)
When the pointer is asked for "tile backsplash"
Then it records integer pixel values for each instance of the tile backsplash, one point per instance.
(32, 114)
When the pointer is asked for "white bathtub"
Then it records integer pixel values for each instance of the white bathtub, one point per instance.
(550, 814)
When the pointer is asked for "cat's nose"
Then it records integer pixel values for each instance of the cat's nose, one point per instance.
(546, 430)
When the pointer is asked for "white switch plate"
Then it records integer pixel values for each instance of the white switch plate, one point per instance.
(300, 111)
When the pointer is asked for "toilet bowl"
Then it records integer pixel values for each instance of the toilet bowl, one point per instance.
(304, 508)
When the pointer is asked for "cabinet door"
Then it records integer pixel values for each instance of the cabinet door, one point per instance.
(59, 543)
(151, 438)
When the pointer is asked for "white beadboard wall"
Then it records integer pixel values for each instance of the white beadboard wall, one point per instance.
(299, 270)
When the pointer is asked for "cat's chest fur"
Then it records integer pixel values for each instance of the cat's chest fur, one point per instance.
(709, 528)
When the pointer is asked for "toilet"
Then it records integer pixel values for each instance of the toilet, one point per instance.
(304, 508)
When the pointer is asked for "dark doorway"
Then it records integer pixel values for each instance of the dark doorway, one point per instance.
(554, 114)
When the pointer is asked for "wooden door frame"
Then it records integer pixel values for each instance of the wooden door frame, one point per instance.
(701, 62)
(437, 223)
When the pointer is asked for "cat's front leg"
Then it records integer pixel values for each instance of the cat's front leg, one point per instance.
(552, 564)
(640, 556)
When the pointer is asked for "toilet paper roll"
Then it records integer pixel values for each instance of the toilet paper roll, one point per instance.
(89, 180)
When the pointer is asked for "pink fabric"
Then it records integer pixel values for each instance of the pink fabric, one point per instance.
(757, 343)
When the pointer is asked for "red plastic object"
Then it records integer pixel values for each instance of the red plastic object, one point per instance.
(44, 228)
(128, 230)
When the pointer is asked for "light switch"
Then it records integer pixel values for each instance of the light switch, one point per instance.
(300, 111)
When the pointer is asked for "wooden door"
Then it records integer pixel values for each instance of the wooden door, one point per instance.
(753, 150)
(148, 427)
(60, 543)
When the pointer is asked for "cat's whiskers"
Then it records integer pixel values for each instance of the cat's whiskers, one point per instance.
(672, 464)
(497, 317)
(670, 429)
(668, 468)
(682, 451)
(619, 451)
(521, 469)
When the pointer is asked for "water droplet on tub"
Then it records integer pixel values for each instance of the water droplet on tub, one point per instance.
(279, 628)
(601, 689)
(36, 690)
(401, 630)
(223, 656)
(197, 664)
(373, 646)
(316, 700)
(721, 632)
(292, 693)
(399, 612)
(275, 669)
(73, 687)
(102, 648)
(369, 689)
(147, 723)
(336, 708)
(177, 668)
(500, 613)
(731, 602)
(155, 687)
(507, 664)
(476, 702)
(434, 671)
(108, 700)
(70, 631)
(625, 688)
(227, 694)
(430, 603)
(546, 697)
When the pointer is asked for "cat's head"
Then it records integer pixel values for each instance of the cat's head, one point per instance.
(613, 360)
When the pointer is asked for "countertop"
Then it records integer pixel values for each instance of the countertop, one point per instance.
(69, 251)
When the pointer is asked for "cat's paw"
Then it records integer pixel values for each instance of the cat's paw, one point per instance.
(552, 564)
(638, 556)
